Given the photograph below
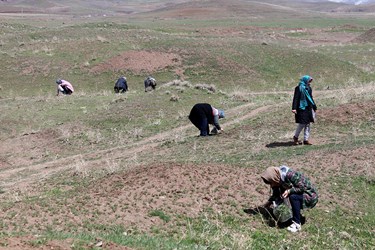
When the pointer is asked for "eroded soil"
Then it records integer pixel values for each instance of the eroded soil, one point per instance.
(129, 198)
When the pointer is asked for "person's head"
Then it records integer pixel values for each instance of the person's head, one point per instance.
(58, 81)
(221, 113)
(307, 79)
(271, 176)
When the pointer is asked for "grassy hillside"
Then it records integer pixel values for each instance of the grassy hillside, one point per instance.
(127, 171)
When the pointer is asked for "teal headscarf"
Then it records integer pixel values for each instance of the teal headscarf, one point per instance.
(305, 95)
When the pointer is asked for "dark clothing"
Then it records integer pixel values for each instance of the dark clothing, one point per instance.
(66, 90)
(201, 115)
(298, 184)
(303, 116)
(296, 201)
(121, 85)
(150, 82)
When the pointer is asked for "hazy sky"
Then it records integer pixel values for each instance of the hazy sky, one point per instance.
(353, 1)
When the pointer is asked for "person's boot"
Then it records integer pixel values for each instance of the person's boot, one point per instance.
(307, 143)
(295, 140)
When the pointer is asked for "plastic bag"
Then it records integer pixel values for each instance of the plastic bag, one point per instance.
(282, 210)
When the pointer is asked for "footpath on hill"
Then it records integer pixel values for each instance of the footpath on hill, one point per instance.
(12, 177)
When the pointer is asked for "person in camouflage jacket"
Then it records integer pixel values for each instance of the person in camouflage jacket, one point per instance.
(287, 183)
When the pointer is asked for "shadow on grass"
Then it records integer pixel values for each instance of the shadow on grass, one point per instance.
(266, 214)
(280, 144)
(269, 218)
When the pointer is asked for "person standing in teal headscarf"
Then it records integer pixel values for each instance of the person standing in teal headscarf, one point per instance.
(304, 108)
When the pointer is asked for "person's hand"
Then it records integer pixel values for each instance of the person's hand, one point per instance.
(286, 193)
(294, 111)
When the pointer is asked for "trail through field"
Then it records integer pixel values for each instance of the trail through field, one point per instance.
(22, 177)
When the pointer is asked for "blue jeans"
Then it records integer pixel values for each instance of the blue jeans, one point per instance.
(296, 201)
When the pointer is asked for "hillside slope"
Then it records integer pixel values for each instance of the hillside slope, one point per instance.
(112, 7)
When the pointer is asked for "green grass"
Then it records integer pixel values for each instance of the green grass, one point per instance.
(50, 50)
(329, 229)
(94, 121)
(160, 214)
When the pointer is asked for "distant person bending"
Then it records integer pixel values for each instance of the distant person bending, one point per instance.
(304, 108)
(287, 183)
(121, 85)
(203, 114)
(150, 82)
(64, 87)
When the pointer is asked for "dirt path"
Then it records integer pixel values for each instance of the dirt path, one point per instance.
(17, 177)
(24, 176)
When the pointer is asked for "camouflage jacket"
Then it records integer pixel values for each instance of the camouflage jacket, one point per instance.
(298, 184)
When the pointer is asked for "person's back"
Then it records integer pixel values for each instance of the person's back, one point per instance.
(121, 85)
(203, 114)
(64, 87)
(150, 82)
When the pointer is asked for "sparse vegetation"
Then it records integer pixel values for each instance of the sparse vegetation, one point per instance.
(100, 170)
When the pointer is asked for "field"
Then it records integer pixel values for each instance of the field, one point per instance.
(98, 170)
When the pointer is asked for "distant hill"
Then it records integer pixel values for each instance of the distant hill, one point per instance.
(179, 7)
(92, 7)
(355, 2)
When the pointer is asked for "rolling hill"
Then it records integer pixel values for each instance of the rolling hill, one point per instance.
(97, 169)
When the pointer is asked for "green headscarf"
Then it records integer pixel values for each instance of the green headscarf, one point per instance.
(305, 95)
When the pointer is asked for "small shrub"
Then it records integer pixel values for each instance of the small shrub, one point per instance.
(160, 214)
(209, 87)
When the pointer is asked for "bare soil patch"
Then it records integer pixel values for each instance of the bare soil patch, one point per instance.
(368, 36)
(139, 62)
(32, 242)
(349, 113)
(129, 198)
(30, 147)
(186, 191)
(175, 189)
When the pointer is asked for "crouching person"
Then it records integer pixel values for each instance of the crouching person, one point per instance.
(121, 85)
(203, 114)
(287, 183)
(150, 83)
(64, 87)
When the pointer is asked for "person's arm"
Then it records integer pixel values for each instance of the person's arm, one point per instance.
(296, 98)
(274, 197)
(296, 181)
(216, 122)
(314, 105)
(58, 90)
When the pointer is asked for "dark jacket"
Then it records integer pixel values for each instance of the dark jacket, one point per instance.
(202, 111)
(121, 84)
(303, 116)
(150, 82)
(298, 183)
